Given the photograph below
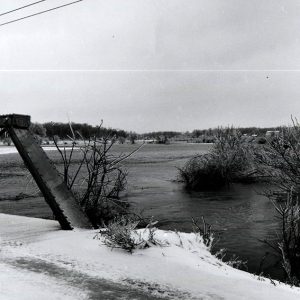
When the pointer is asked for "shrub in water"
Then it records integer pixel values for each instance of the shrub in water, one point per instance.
(202, 172)
(228, 161)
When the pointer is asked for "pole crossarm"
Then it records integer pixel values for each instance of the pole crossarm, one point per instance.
(15, 121)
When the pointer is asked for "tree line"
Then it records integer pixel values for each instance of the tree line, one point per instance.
(62, 131)
(259, 131)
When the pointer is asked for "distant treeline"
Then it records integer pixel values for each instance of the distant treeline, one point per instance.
(63, 131)
(244, 130)
(159, 134)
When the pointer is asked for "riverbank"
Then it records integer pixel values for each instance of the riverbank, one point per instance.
(42, 262)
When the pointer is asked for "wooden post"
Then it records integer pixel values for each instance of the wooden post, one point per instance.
(61, 200)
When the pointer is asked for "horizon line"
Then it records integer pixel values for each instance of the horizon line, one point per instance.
(149, 70)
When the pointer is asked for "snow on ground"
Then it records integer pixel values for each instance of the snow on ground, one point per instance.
(12, 149)
(18, 284)
(39, 261)
(7, 149)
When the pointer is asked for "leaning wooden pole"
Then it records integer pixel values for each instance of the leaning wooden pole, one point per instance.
(61, 200)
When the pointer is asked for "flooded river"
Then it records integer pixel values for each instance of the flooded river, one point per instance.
(239, 214)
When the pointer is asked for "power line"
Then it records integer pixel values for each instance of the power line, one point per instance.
(39, 13)
(19, 8)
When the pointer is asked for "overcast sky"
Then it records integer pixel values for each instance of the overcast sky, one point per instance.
(153, 64)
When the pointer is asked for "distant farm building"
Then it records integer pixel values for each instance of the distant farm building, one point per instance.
(272, 133)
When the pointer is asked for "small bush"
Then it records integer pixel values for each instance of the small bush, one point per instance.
(233, 261)
(261, 140)
(209, 239)
(206, 233)
(119, 234)
(122, 233)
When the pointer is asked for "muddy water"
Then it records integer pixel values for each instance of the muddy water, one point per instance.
(240, 215)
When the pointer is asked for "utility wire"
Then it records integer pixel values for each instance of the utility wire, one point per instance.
(34, 3)
(39, 13)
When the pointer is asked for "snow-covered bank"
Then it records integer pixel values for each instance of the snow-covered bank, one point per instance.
(36, 253)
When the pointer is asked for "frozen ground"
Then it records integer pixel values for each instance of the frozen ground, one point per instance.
(7, 149)
(39, 261)
(12, 149)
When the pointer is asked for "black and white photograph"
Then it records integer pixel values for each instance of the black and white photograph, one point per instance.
(149, 149)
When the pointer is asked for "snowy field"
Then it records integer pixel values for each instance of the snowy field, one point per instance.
(7, 149)
(12, 149)
(39, 261)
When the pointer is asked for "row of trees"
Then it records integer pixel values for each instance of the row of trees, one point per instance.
(259, 131)
(61, 130)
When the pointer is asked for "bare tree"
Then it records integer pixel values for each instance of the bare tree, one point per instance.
(287, 244)
(279, 159)
(97, 177)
